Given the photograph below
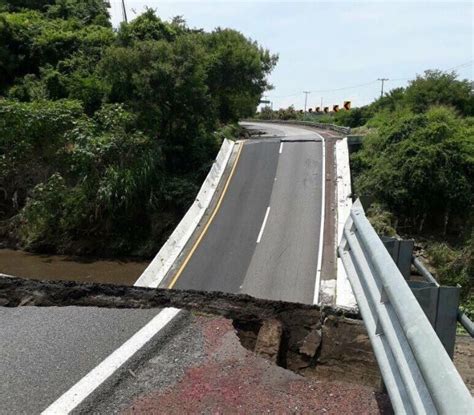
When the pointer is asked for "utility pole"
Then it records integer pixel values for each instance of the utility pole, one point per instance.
(124, 12)
(321, 104)
(382, 80)
(306, 99)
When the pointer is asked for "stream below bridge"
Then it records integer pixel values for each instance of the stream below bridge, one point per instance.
(70, 268)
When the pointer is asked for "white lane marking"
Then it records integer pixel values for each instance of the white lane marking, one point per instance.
(82, 389)
(91, 381)
(263, 225)
(281, 148)
(321, 230)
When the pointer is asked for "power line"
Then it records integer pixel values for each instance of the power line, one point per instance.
(468, 63)
(341, 89)
(325, 90)
(286, 96)
(462, 65)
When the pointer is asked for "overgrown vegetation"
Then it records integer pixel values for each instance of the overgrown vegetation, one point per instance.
(416, 168)
(421, 167)
(106, 135)
(417, 162)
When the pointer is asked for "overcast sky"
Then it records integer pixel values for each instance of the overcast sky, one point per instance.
(338, 44)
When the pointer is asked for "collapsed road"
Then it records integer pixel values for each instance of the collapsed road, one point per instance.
(46, 351)
(323, 343)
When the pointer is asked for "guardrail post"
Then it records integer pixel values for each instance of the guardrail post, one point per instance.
(401, 251)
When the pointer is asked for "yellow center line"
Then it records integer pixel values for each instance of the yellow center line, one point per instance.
(206, 227)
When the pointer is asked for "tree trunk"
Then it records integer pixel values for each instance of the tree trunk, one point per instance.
(446, 220)
(422, 222)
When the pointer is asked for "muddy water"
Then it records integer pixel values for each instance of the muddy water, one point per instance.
(61, 267)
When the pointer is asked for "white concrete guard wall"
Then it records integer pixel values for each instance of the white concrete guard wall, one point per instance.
(169, 252)
(344, 295)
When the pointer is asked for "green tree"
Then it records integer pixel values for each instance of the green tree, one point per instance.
(148, 26)
(440, 88)
(237, 70)
(30, 136)
(18, 5)
(354, 117)
(393, 100)
(165, 85)
(30, 41)
(88, 12)
(105, 136)
(420, 166)
(266, 113)
(287, 114)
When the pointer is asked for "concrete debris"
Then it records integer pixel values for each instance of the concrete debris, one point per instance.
(311, 343)
(269, 340)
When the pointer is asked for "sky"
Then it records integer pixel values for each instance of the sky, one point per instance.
(338, 49)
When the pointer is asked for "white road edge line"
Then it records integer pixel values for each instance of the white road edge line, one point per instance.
(73, 397)
(281, 148)
(82, 389)
(321, 230)
(263, 225)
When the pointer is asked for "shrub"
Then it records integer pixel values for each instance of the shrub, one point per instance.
(421, 167)
(454, 266)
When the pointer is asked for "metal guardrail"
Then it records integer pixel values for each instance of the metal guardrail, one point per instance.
(337, 128)
(463, 319)
(417, 371)
(423, 271)
(466, 323)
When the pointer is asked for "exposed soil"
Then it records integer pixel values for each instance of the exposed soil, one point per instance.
(229, 379)
(464, 360)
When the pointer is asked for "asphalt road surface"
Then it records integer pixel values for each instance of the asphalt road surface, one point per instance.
(45, 351)
(264, 239)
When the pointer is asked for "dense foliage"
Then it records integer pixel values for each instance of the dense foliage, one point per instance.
(416, 168)
(421, 166)
(417, 162)
(106, 135)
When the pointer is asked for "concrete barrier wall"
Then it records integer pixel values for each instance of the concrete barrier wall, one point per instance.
(169, 252)
(6, 276)
(344, 295)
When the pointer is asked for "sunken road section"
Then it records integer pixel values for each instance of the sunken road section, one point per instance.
(322, 342)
